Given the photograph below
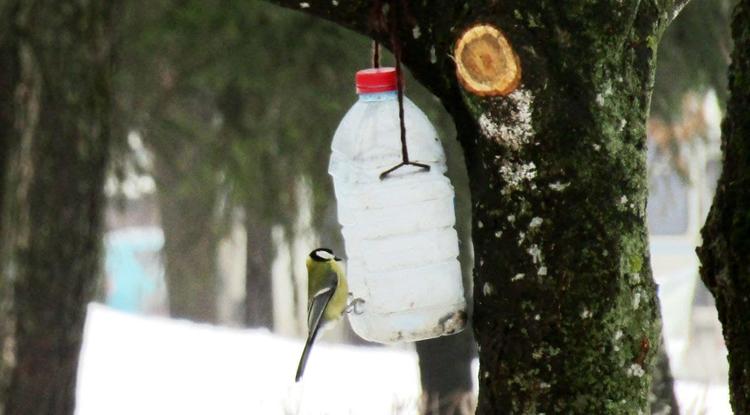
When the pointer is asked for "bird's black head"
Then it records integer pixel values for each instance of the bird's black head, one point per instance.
(323, 255)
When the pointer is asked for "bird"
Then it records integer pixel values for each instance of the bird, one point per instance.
(327, 295)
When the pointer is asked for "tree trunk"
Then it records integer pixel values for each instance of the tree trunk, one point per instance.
(187, 207)
(725, 254)
(8, 80)
(663, 399)
(260, 254)
(63, 119)
(445, 373)
(565, 310)
(8, 140)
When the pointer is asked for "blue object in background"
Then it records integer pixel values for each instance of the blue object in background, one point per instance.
(134, 270)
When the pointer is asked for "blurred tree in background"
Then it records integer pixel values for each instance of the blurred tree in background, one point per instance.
(692, 62)
(238, 102)
(232, 124)
(57, 93)
(693, 56)
(8, 79)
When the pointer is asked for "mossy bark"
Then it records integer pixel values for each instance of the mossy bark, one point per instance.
(63, 120)
(565, 308)
(725, 254)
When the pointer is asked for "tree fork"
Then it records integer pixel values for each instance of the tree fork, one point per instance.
(566, 315)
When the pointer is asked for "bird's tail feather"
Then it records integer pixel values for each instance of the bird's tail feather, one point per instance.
(306, 353)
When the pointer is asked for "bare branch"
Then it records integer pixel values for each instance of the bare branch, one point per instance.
(353, 15)
(676, 8)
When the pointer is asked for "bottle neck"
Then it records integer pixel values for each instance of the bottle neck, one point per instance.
(378, 96)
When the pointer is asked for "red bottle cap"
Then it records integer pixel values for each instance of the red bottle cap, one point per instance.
(375, 80)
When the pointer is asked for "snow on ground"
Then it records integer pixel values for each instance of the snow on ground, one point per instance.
(147, 365)
(144, 365)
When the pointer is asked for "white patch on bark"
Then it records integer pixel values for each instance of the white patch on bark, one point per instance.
(535, 222)
(635, 370)
(517, 277)
(515, 174)
(604, 94)
(433, 55)
(559, 187)
(635, 278)
(636, 300)
(487, 289)
(518, 131)
(521, 237)
(415, 32)
(304, 5)
(536, 254)
(618, 336)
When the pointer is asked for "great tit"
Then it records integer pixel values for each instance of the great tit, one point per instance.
(327, 294)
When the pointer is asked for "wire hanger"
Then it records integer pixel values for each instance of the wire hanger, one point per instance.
(393, 26)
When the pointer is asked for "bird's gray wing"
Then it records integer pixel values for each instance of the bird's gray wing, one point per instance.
(315, 310)
(317, 304)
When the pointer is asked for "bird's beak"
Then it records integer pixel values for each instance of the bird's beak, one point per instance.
(336, 258)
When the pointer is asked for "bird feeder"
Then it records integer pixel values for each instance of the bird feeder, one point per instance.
(397, 217)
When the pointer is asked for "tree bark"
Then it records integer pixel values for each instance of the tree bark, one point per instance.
(725, 254)
(63, 113)
(260, 254)
(565, 310)
(662, 397)
(445, 374)
(8, 80)
(8, 139)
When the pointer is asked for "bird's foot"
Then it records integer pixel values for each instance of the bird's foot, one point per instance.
(354, 305)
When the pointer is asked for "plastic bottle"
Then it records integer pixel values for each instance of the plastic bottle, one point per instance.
(400, 243)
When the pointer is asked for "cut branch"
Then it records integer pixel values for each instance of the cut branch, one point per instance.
(486, 63)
